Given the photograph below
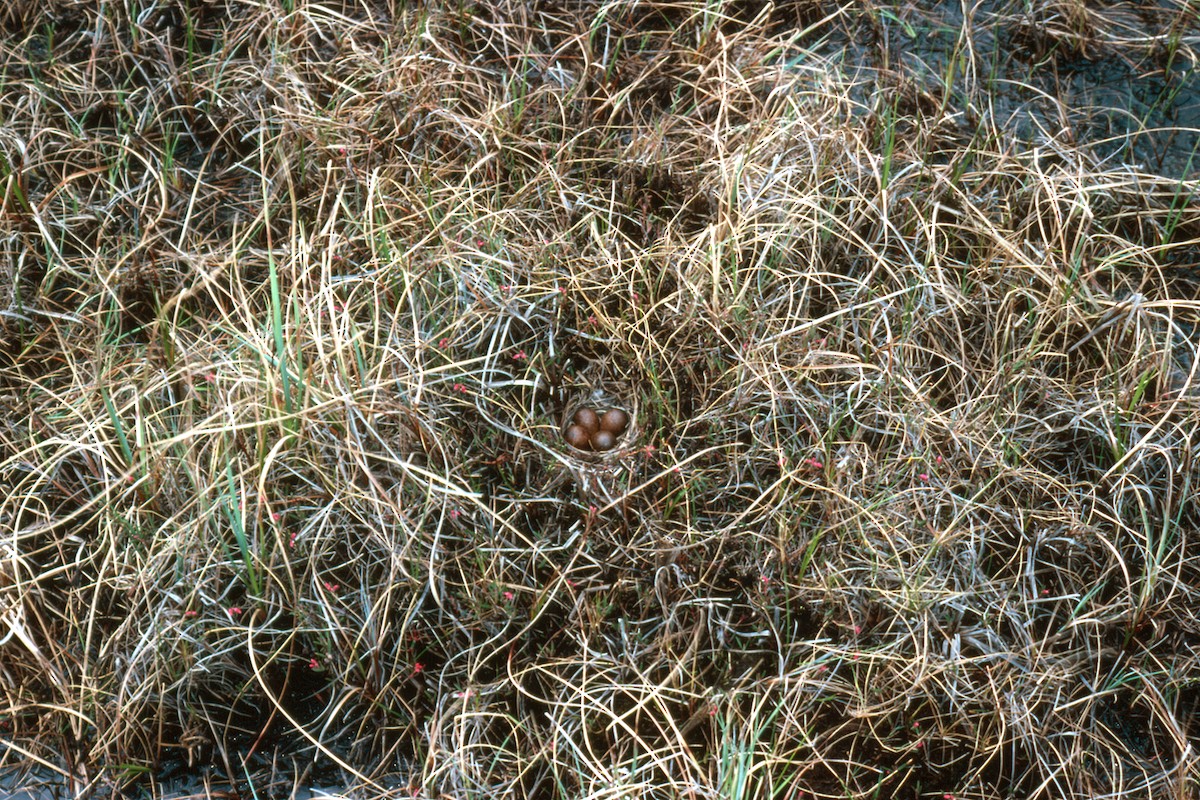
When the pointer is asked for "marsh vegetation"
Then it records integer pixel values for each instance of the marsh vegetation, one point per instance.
(296, 297)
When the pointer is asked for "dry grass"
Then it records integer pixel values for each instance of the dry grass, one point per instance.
(295, 297)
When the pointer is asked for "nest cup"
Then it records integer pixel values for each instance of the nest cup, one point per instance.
(600, 403)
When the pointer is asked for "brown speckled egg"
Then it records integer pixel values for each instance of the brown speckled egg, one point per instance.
(587, 419)
(576, 436)
(603, 440)
(614, 421)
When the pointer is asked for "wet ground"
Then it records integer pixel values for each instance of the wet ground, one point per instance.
(1119, 81)
(47, 785)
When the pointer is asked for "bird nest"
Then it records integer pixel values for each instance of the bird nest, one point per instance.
(600, 473)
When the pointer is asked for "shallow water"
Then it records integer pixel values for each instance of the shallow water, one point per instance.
(47, 785)
(50, 786)
(1136, 104)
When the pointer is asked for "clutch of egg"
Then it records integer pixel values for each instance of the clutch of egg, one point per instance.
(590, 430)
